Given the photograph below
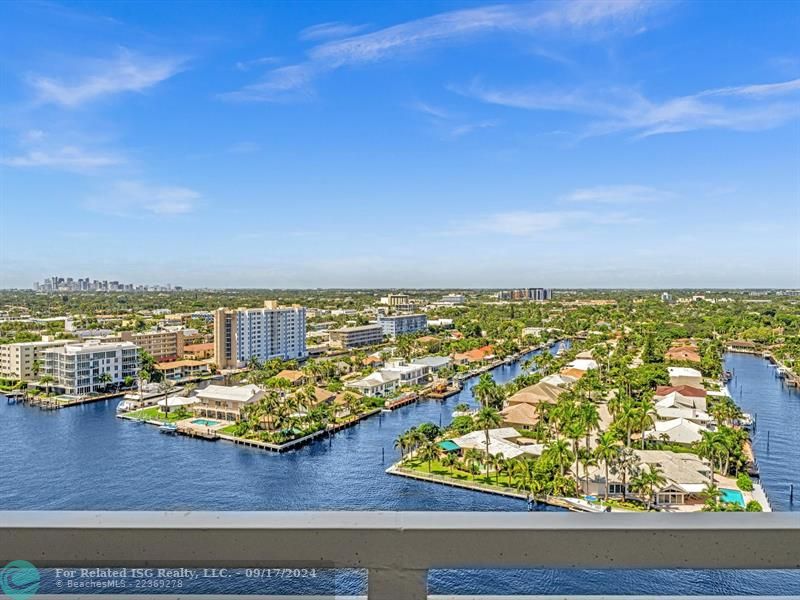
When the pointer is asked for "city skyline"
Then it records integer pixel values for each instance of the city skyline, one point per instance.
(439, 145)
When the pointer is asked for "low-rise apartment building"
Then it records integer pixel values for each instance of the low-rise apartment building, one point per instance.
(162, 345)
(395, 325)
(24, 361)
(354, 337)
(178, 370)
(88, 367)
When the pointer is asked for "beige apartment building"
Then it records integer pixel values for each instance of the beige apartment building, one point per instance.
(18, 361)
(353, 337)
(162, 345)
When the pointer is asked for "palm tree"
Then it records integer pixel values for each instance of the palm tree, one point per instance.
(165, 387)
(645, 417)
(105, 379)
(560, 455)
(46, 380)
(647, 481)
(606, 450)
(626, 465)
(486, 419)
(448, 461)
(711, 494)
(401, 443)
(486, 391)
(472, 459)
(428, 452)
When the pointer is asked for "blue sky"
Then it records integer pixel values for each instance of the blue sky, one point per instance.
(379, 144)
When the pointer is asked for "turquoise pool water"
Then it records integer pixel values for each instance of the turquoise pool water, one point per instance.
(205, 422)
(732, 496)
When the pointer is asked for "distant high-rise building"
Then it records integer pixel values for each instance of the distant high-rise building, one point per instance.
(535, 294)
(262, 333)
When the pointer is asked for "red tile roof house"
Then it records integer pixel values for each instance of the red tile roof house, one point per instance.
(683, 390)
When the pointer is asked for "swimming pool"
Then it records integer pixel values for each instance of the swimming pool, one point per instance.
(205, 422)
(732, 496)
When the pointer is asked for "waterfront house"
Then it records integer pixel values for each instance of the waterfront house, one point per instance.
(522, 416)
(686, 478)
(535, 394)
(474, 356)
(226, 402)
(571, 372)
(582, 364)
(502, 442)
(683, 354)
(434, 363)
(677, 399)
(378, 384)
(685, 376)
(676, 431)
(668, 409)
(559, 380)
(410, 374)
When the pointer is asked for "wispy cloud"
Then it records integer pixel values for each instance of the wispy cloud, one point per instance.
(528, 223)
(330, 30)
(246, 65)
(68, 158)
(616, 194)
(96, 78)
(441, 29)
(244, 148)
(455, 125)
(467, 128)
(137, 198)
(624, 109)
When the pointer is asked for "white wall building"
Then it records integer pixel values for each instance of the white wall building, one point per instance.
(91, 366)
(261, 333)
(399, 324)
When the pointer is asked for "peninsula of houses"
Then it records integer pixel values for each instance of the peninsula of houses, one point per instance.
(629, 412)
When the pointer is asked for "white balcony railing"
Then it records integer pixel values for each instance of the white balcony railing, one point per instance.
(397, 549)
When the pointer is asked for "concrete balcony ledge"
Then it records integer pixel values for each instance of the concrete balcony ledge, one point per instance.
(398, 548)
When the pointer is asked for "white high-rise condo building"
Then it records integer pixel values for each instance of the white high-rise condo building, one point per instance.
(243, 334)
(92, 366)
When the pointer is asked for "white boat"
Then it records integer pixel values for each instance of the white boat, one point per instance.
(126, 405)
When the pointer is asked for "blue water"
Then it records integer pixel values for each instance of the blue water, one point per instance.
(776, 438)
(83, 458)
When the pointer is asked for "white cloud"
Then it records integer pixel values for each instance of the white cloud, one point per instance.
(616, 194)
(620, 109)
(528, 223)
(134, 198)
(333, 29)
(246, 65)
(97, 78)
(68, 158)
(439, 29)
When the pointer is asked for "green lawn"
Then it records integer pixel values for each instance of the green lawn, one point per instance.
(228, 429)
(454, 472)
(153, 413)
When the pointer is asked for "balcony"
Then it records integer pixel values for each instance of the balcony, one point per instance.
(398, 549)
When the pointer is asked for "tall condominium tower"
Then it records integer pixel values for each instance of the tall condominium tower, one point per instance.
(262, 333)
